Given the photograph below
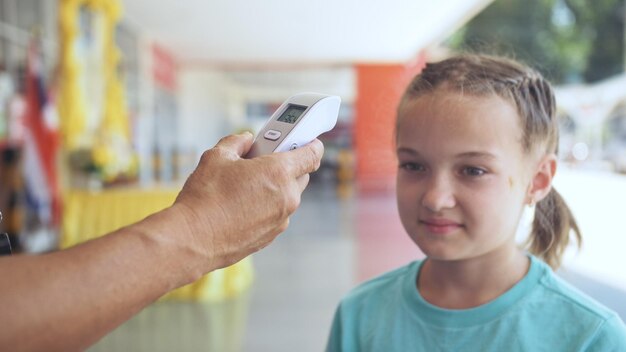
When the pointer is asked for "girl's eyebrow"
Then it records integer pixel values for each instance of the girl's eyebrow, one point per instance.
(476, 154)
(470, 154)
(407, 151)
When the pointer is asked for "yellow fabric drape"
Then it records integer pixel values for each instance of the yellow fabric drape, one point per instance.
(88, 215)
(113, 136)
(71, 103)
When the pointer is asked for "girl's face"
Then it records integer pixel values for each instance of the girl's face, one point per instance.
(463, 176)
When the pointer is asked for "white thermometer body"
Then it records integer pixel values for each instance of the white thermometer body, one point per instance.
(297, 122)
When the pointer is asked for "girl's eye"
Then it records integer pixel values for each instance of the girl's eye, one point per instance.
(473, 171)
(408, 166)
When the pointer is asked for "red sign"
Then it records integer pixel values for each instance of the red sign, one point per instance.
(164, 68)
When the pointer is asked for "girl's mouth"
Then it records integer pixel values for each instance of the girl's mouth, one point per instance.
(440, 226)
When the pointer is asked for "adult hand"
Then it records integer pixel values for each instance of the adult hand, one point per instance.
(234, 206)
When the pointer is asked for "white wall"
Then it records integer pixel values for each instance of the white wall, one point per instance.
(203, 108)
(273, 85)
(213, 102)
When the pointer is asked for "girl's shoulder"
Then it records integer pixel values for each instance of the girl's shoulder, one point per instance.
(562, 304)
(564, 294)
(572, 307)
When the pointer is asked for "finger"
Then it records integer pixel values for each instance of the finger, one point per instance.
(304, 160)
(303, 181)
(237, 143)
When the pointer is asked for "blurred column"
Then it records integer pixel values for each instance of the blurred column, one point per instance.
(379, 89)
(165, 113)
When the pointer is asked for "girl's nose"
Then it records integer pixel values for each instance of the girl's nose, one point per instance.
(439, 196)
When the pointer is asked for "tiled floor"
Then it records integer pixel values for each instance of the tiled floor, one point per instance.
(330, 246)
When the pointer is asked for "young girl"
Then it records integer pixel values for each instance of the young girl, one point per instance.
(476, 142)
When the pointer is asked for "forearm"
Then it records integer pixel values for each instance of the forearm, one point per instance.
(69, 299)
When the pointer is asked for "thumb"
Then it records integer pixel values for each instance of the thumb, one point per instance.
(238, 143)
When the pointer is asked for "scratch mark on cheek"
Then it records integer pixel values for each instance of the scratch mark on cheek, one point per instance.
(511, 183)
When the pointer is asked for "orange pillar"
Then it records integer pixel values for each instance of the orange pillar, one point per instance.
(379, 89)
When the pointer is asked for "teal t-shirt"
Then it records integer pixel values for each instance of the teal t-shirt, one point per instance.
(539, 313)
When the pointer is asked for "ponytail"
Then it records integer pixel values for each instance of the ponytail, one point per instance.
(551, 229)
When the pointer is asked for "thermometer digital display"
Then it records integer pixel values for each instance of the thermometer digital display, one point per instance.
(292, 113)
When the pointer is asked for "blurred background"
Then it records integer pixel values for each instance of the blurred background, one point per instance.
(106, 106)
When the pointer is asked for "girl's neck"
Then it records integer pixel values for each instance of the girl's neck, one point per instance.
(471, 282)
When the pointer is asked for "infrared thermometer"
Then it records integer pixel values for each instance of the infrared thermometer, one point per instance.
(297, 122)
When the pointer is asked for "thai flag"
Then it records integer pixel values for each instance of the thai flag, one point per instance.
(40, 146)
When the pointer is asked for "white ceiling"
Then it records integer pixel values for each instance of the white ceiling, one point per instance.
(258, 32)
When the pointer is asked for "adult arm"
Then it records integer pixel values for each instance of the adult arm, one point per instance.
(228, 208)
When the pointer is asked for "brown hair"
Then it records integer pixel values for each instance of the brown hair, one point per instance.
(531, 94)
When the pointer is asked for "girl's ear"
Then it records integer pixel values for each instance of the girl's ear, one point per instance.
(541, 182)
